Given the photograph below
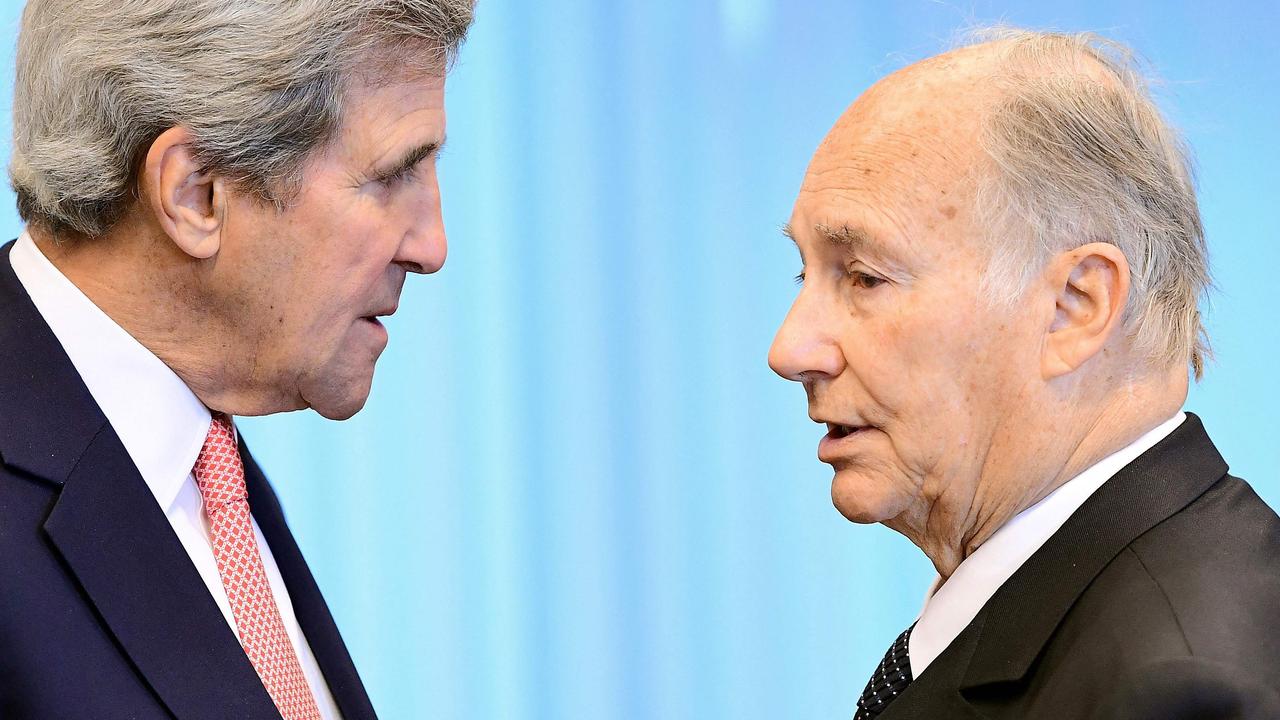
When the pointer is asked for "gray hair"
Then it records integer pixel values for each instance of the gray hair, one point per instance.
(259, 83)
(1082, 154)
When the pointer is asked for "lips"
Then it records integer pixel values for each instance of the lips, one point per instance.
(841, 440)
(375, 325)
(384, 312)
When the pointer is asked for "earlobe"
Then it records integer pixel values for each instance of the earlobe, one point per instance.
(1091, 291)
(186, 202)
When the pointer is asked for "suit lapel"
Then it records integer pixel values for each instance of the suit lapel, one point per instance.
(109, 530)
(936, 693)
(120, 547)
(308, 604)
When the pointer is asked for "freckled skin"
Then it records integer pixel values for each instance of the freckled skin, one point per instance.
(964, 430)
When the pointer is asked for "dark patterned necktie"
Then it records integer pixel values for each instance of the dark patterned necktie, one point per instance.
(891, 677)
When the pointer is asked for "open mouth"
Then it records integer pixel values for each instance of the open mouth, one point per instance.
(841, 431)
(833, 447)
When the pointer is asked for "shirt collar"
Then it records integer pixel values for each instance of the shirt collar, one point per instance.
(160, 422)
(950, 606)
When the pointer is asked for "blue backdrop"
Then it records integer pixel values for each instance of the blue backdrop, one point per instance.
(577, 490)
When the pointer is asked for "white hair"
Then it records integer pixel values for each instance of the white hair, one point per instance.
(1082, 154)
(259, 83)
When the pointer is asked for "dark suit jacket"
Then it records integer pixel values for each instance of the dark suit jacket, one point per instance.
(1159, 599)
(102, 614)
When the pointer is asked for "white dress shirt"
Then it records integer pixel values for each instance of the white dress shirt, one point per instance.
(161, 424)
(950, 607)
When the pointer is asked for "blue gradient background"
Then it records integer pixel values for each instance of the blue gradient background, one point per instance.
(577, 490)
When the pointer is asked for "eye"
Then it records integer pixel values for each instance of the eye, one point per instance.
(800, 278)
(866, 281)
(394, 179)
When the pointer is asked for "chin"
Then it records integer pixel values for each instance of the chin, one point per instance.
(865, 499)
(339, 398)
(344, 411)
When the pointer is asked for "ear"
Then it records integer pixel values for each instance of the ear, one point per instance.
(188, 204)
(1091, 286)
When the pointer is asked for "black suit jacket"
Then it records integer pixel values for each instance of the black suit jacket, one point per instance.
(1159, 599)
(102, 614)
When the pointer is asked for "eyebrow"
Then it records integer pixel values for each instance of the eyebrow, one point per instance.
(410, 159)
(845, 236)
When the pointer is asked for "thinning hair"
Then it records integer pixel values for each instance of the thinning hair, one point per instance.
(1081, 153)
(260, 84)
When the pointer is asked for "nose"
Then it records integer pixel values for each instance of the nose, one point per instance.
(804, 347)
(423, 246)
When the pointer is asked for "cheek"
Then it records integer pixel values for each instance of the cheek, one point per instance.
(925, 375)
(368, 239)
(343, 268)
(901, 361)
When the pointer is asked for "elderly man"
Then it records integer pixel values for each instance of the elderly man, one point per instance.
(221, 197)
(1002, 263)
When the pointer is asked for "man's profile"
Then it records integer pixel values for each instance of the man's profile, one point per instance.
(222, 197)
(1003, 260)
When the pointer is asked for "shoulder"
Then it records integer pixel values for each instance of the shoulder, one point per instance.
(1228, 512)
(1186, 616)
(1217, 566)
(1205, 583)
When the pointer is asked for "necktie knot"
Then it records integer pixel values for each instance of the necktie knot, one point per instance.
(219, 472)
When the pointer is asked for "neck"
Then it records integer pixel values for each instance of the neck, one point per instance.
(1028, 464)
(149, 287)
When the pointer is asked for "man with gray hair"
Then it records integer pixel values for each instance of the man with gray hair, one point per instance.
(222, 197)
(1002, 264)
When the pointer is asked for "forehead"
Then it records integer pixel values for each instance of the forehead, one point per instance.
(372, 104)
(900, 162)
(383, 118)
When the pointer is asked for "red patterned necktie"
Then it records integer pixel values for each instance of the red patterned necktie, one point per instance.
(220, 476)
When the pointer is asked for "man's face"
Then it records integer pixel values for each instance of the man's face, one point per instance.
(306, 285)
(899, 353)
